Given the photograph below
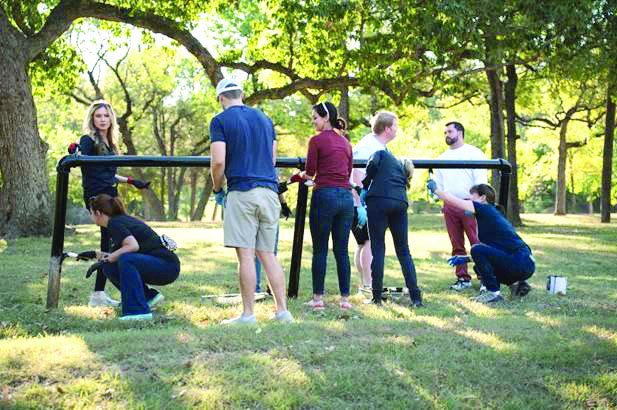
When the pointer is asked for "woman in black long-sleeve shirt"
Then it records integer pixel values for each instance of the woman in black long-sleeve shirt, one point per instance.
(386, 183)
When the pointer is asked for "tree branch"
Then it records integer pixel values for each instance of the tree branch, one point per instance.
(59, 21)
(156, 24)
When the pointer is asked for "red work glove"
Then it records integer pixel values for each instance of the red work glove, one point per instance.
(137, 183)
(74, 148)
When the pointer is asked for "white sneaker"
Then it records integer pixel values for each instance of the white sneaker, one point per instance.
(284, 316)
(240, 320)
(158, 298)
(100, 298)
(461, 284)
(143, 316)
(482, 288)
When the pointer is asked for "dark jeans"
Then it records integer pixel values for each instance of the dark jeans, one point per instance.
(132, 272)
(331, 212)
(101, 279)
(386, 213)
(495, 266)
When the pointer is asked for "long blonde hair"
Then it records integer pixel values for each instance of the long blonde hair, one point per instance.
(90, 129)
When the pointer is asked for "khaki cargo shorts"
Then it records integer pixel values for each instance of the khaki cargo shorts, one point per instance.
(251, 219)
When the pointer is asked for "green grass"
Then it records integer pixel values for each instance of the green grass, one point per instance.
(542, 352)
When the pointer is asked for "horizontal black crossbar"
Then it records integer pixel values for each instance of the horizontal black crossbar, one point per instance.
(71, 161)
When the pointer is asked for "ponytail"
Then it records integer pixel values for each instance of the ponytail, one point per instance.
(408, 167)
(108, 205)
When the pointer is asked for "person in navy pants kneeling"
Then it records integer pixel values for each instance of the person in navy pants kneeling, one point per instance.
(139, 258)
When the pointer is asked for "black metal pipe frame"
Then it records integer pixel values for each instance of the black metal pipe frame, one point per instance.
(66, 163)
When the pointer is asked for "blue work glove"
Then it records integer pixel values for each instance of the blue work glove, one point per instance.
(458, 260)
(431, 186)
(361, 216)
(220, 197)
(363, 196)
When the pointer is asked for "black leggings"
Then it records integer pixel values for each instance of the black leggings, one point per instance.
(386, 213)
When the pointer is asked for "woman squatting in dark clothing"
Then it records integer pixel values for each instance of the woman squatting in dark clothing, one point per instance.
(501, 256)
(138, 258)
(329, 161)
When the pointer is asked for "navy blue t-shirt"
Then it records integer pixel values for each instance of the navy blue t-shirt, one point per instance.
(248, 135)
(496, 231)
(96, 179)
(122, 226)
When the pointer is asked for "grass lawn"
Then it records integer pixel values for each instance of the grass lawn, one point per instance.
(544, 351)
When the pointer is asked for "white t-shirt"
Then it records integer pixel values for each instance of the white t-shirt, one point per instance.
(367, 146)
(459, 181)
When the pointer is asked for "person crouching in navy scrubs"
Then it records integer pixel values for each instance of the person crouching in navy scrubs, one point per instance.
(501, 256)
(138, 258)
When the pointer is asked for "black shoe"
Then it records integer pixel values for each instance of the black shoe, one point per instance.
(416, 297)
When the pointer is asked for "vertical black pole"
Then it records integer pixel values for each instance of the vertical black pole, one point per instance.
(57, 244)
(296, 252)
(504, 187)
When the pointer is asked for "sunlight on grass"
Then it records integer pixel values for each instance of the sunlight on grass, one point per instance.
(604, 334)
(433, 321)
(85, 312)
(59, 357)
(544, 320)
(487, 339)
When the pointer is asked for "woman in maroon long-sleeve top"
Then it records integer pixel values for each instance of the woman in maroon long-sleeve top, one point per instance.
(329, 163)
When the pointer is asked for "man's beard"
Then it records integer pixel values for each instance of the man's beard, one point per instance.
(451, 141)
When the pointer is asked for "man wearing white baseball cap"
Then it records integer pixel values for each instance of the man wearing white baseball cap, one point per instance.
(243, 151)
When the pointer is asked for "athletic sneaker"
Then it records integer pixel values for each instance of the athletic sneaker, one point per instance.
(345, 305)
(100, 298)
(461, 284)
(488, 297)
(158, 298)
(240, 320)
(143, 316)
(483, 289)
(365, 289)
(316, 304)
(416, 297)
(284, 316)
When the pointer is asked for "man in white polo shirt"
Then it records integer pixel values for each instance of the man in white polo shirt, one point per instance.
(458, 182)
(366, 147)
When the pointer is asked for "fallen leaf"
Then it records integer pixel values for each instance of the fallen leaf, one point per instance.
(59, 389)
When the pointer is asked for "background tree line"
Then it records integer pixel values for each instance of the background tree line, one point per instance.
(533, 83)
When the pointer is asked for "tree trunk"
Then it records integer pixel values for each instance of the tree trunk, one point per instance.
(514, 206)
(193, 188)
(203, 198)
(497, 131)
(607, 159)
(153, 208)
(25, 203)
(560, 191)
(572, 190)
(343, 109)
